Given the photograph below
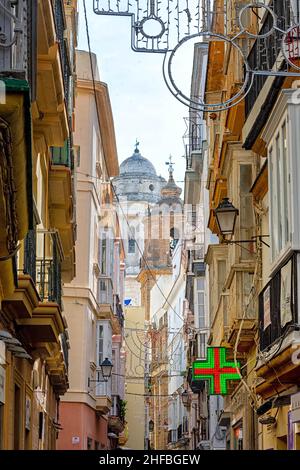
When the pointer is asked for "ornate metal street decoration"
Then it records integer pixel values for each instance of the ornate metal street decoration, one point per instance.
(164, 26)
(216, 370)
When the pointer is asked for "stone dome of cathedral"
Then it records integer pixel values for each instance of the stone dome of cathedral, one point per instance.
(138, 180)
(137, 165)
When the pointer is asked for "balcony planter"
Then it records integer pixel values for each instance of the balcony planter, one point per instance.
(115, 424)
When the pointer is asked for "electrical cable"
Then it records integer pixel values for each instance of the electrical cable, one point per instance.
(106, 166)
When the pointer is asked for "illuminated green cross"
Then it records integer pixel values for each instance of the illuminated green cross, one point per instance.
(216, 370)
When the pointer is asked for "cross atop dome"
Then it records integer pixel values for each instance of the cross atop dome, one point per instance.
(170, 164)
(136, 150)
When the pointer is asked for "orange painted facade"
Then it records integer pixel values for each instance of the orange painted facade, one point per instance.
(82, 429)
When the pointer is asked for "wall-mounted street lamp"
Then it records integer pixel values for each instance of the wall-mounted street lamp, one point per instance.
(226, 215)
(185, 397)
(106, 370)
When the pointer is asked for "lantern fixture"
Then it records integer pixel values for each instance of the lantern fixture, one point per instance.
(226, 215)
(106, 369)
(185, 397)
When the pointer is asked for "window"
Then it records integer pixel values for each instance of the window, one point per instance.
(131, 245)
(246, 218)
(279, 192)
(202, 345)
(99, 344)
(199, 302)
(131, 240)
(103, 256)
(221, 276)
(97, 445)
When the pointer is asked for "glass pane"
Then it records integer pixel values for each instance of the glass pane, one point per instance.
(200, 283)
(285, 183)
(278, 192)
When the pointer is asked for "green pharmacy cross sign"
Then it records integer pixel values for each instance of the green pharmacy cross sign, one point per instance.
(216, 370)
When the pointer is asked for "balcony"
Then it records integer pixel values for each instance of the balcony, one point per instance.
(242, 311)
(36, 303)
(39, 275)
(60, 26)
(116, 422)
(16, 154)
(265, 51)
(18, 40)
(197, 386)
(50, 111)
(103, 394)
(220, 326)
(177, 437)
(194, 142)
(266, 55)
(62, 199)
(47, 264)
(109, 306)
(279, 330)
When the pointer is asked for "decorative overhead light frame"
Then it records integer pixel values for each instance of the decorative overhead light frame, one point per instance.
(164, 26)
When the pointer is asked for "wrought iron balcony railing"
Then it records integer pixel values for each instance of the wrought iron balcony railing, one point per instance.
(60, 26)
(193, 139)
(42, 261)
(265, 52)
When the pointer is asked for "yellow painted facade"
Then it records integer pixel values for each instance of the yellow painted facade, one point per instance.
(37, 222)
(241, 273)
(135, 387)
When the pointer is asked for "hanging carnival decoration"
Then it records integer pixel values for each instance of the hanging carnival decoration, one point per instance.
(216, 370)
(165, 26)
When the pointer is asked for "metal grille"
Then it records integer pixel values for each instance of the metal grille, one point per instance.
(275, 331)
(265, 53)
(30, 254)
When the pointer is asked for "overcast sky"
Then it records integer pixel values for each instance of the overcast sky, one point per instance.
(143, 107)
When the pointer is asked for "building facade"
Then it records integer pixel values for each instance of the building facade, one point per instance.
(37, 208)
(253, 284)
(92, 412)
(137, 190)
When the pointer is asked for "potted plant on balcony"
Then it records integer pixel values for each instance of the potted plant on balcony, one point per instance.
(123, 405)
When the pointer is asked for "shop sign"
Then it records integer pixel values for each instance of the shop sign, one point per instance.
(216, 370)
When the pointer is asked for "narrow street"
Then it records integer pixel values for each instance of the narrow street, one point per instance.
(149, 228)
